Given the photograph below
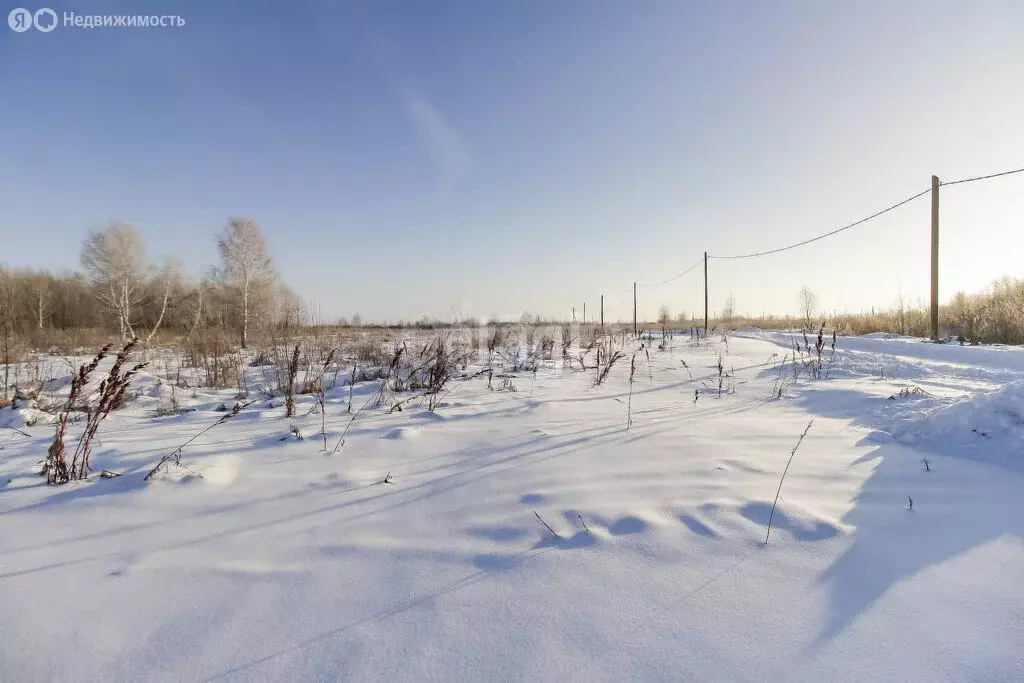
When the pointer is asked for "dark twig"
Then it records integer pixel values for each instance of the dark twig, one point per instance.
(19, 431)
(553, 533)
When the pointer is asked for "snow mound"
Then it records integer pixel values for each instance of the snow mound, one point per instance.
(987, 426)
(25, 417)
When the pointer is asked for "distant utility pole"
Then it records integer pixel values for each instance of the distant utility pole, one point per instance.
(602, 312)
(574, 314)
(584, 312)
(705, 292)
(935, 258)
(634, 310)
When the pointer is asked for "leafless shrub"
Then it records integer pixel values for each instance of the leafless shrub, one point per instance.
(370, 351)
(610, 356)
(782, 379)
(511, 354)
(438, 373)
(316, 381)
(496, 339)
(588, 338)
(210, 351)
(172, 407)
(392, 372)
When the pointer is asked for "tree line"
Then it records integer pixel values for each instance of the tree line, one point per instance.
(119, 289)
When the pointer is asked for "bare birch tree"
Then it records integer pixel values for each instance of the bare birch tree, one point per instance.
(246, 271)
(808, 304)
(7, 318)
(729, 310)
(113, 260)
(167, 283)
(38, 288)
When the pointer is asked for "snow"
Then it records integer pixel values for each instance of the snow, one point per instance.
(285, 563)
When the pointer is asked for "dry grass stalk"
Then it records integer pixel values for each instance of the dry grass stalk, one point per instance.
(112, 392)
(55, 467)
(293, 370)
(174, 457)
(629, 400)
(783, 478)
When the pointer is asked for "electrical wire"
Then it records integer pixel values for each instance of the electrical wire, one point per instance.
(827, 234)
(822, 236)
(983, 177)
(671, 279)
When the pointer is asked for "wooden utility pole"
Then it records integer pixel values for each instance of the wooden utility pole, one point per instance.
(634, 310)
(584, 312)
(705, 292)
(602, 312)
(935, 258)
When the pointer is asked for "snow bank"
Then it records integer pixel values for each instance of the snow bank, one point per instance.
(987, 426)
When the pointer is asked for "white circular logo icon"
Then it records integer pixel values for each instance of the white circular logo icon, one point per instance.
(45, 20)
(20, 19)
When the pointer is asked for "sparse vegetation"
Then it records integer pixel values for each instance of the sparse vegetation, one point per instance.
(174, 457)
(789, 462)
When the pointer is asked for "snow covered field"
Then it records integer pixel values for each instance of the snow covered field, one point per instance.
(285, 563)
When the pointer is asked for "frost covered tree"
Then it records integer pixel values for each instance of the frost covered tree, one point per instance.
(246, 272)
(113, 260)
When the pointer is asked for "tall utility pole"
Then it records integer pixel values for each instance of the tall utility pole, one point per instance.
(634, 310)
(574, 314)
(584, 312)
(705, 292)
(935, 258)
(602, 312)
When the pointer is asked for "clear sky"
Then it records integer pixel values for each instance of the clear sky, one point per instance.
(501, 156)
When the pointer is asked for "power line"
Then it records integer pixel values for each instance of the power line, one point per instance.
(829, 234)
(983, 177)
(671, 279)
(632, 290)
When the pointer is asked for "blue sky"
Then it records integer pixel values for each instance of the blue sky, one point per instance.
(409, 158)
